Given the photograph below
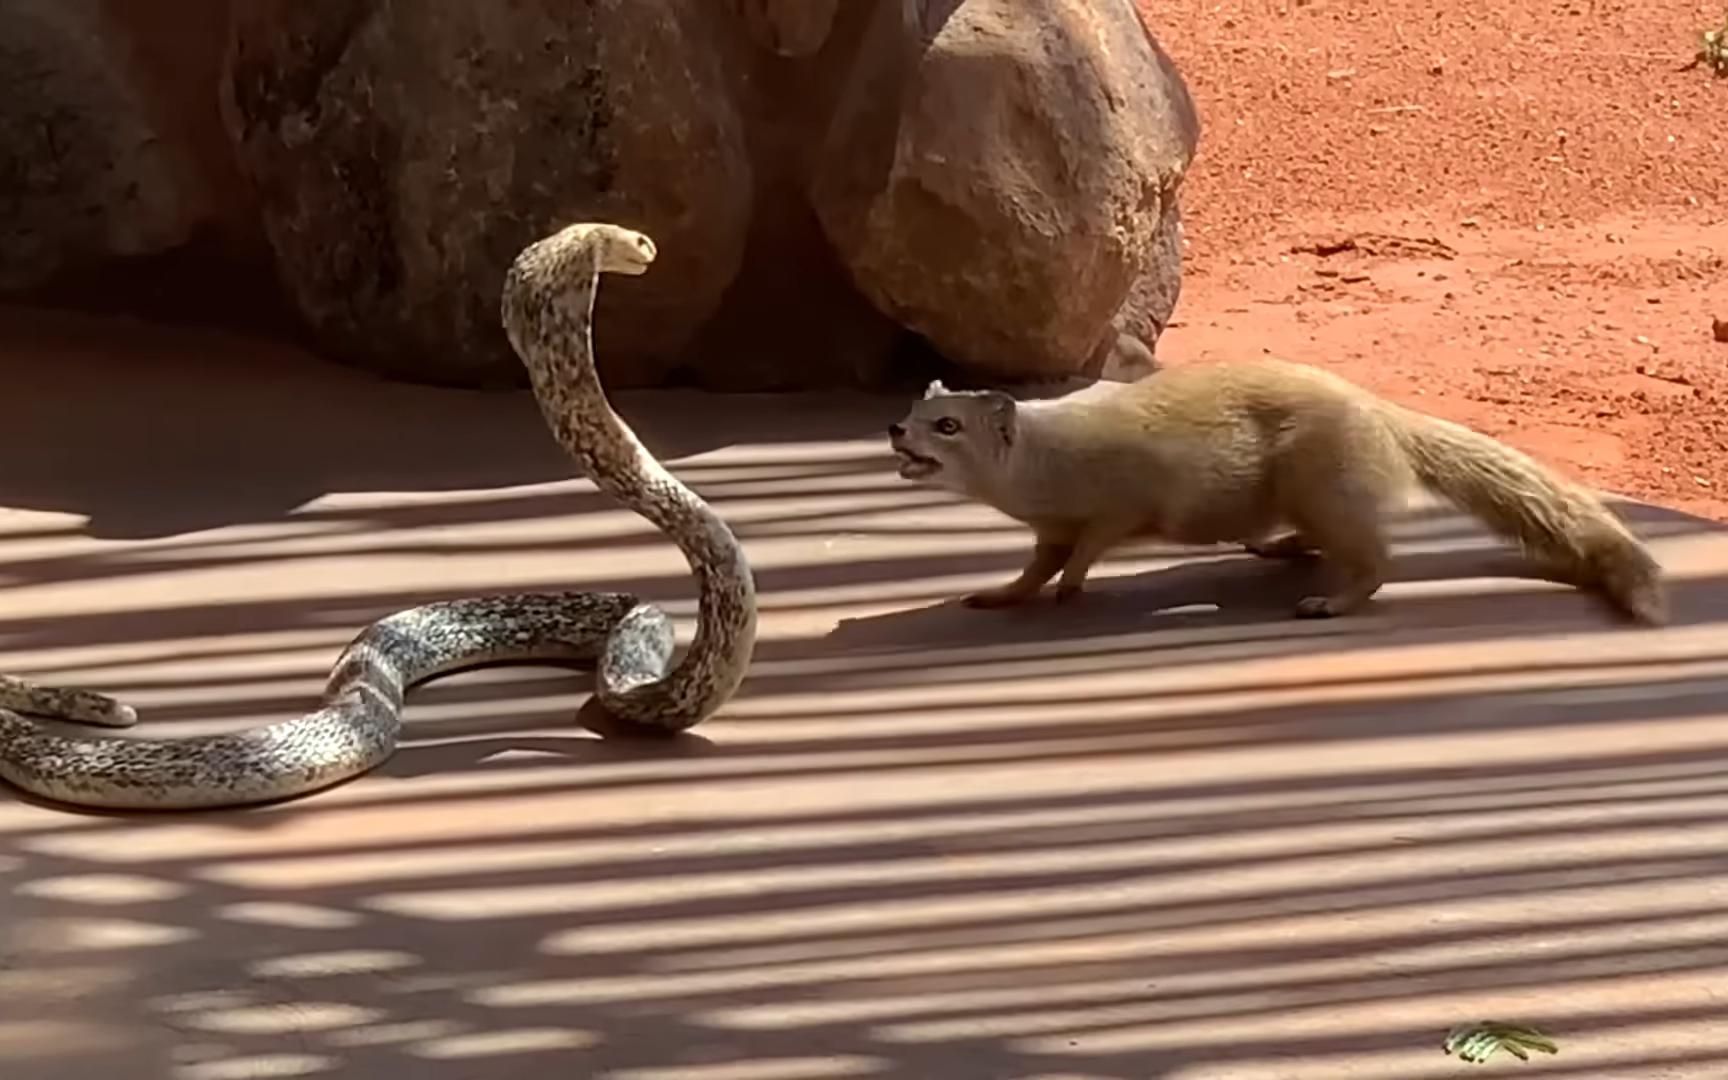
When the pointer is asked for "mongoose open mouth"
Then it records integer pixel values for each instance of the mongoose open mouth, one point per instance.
(916, 466)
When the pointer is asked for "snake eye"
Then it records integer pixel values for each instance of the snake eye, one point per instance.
(947, 425)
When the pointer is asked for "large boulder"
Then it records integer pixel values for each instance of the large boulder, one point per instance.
(836, 185)
(828, 180)
(404, 153)
(1001, 176)
(118, 188)
(85, 174)
(845, 192)
(789, 27)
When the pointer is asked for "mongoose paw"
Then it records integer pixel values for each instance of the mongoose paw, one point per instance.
(1315, 607)
(1067, 594)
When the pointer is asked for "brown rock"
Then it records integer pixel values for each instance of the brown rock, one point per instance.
(1123, 358)
(842, 193)
(85, 174)
(404, 153)
(156, 221)
(1151, 300)
(793, 28)
(793, 318)
(178, 50)
(1719, 329)
(1000, 177)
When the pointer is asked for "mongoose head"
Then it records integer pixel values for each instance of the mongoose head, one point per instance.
(955, 438)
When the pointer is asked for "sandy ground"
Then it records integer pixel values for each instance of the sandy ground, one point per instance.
(1169, 833)
(1535, 195)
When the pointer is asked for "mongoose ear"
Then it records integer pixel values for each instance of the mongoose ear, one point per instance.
(935, 389)
(1004, 411)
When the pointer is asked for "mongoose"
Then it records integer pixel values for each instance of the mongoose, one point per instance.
(1283, 458)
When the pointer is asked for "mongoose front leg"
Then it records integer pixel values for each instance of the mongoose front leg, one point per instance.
(1047, 558)
(1098, 538)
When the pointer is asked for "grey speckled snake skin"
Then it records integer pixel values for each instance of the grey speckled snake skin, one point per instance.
(547, 310)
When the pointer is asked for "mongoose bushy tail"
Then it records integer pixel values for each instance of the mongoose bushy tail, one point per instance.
(1557, 521)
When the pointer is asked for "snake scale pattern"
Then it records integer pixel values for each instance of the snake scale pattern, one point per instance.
(547, 310)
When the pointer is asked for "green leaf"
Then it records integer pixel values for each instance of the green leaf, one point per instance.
(1477, 1042)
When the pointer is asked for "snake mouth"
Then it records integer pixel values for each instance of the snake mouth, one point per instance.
(916, 466)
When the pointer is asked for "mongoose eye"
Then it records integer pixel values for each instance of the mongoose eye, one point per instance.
(947, 425)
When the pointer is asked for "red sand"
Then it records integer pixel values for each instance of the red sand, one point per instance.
(1535, 194)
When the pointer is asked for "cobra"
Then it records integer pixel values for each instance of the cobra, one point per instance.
(547, 310)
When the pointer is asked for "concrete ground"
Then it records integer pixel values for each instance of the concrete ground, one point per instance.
(1169, 832)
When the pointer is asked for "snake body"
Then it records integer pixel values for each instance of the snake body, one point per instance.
(547, 310)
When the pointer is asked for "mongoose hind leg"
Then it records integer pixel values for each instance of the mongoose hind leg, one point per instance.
(1047, 558)
(1352, 547)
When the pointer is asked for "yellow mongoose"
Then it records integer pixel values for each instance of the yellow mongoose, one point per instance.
(1232, 451)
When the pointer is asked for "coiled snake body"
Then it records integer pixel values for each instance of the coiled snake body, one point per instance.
(547, 309)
